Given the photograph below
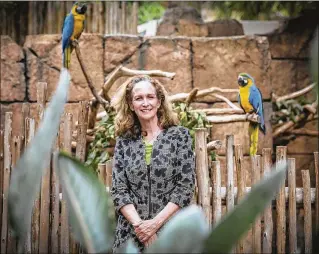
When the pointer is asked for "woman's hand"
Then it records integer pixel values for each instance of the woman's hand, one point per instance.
(146, 229)
(150, 240)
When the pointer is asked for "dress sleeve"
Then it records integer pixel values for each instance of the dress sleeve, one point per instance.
(184, 189)
(119, 190)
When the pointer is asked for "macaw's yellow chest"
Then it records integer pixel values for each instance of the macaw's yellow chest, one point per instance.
(78, 26)
(244, 98)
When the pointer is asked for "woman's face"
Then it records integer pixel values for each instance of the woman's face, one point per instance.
(144, 101)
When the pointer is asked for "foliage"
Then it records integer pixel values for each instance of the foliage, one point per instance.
(100, 149)
(287, 110)
(190, 119)
(149, 10)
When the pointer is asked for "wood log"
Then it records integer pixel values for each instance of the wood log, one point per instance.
(234, 118)
(256, 230)
(216, 191)
(202, 173)
(268, 220)
(241, 182)
(316, 162)
(292, 206)
(307, 208)
(281, 154)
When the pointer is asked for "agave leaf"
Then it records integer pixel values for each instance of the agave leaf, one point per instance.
(129, 248)
(91, 212)
(232, 227)
(26, 177)
(184, 233)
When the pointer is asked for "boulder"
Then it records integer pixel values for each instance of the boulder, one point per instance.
(182, 21)
(291, 39)
(227, 27)
(12, 70)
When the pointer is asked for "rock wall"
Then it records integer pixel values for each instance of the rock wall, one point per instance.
(198, 62)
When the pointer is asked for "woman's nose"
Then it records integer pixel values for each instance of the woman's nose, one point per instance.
(145, 102)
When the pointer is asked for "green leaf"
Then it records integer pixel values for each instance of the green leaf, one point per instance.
(128, 248)
(91, 211)
(184, 233)
(26, 177)
(238, 221)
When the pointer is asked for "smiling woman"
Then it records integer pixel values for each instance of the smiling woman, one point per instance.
(153, 165)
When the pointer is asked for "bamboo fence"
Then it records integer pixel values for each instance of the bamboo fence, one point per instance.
(47, 17)
(272, 232)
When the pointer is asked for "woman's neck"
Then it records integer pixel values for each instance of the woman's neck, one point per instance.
(151, 127)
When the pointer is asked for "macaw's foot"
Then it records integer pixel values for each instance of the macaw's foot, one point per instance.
(75, 42)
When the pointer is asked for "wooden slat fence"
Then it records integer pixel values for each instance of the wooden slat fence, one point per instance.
(19, 19)
(50, 231)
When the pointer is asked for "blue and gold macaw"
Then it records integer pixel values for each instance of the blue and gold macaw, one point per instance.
(73, 27)
(250, 99)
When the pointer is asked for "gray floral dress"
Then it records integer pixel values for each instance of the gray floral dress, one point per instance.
(170, 177)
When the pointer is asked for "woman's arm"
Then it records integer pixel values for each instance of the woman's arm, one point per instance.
(131, 214)
(119, 190)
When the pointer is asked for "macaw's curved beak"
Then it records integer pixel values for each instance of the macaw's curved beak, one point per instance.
(241, 81)
(81, 9)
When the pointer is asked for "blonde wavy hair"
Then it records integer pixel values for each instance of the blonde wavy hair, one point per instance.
(126, 121)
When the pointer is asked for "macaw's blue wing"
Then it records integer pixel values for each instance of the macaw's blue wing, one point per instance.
(67, 31)
(255, 99)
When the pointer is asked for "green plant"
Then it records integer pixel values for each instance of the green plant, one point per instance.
(101, 148)
(190, 119)
(284, 111)
(149, 10)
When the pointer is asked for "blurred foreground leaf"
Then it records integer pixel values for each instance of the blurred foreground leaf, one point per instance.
(237, 222)
(91, 212)
(184, 233)
(26, 176)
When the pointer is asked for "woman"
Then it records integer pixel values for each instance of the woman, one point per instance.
(153, 165)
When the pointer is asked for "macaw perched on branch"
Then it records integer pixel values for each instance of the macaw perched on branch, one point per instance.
(73, 27)
(250, 99)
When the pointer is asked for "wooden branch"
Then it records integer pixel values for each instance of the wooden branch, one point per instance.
(304, 132)
(88, 78)
(214, 145)
(232, 105)
(285, 127)
(201, 93)
(294, 94)
(219, 111)
(234, 118)
(191, 96)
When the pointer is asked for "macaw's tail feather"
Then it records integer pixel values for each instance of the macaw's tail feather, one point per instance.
(253, 135)
(67, 57)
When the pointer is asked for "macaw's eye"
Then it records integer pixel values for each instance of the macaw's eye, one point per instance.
(242, 81)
